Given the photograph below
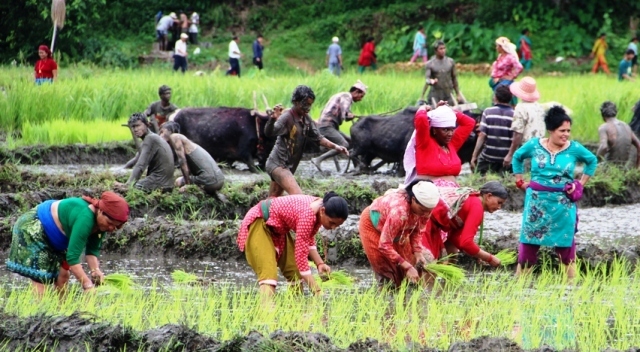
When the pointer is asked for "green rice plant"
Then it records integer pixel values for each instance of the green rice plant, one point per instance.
(75, 102)
(182, 277)
(449, 272)
(122, 281)
(597, 312)
(507, 256)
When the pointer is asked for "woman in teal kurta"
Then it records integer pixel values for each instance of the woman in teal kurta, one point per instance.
(550, 211)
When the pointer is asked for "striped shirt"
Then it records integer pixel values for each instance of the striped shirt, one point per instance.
(496, 124)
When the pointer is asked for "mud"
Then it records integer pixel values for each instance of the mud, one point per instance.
(79, 332)
(98, 154)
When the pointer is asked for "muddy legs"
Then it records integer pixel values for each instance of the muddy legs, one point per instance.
(283, 180)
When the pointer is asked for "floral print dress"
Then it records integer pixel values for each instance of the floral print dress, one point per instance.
(549, 218)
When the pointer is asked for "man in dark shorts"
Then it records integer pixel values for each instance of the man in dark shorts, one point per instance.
(441, 77)
(155, 156)
(161, 109)
(294, 127)
(337, 110)
(196, 164)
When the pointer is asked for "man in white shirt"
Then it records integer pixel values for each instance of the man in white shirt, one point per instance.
(234, 57)
(180, 54)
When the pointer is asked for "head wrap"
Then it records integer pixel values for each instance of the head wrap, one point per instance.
(45, 49)
(111, 204)
(495, 188)
(359, 85)
(426, 193)
(442, 117)
(507, 46)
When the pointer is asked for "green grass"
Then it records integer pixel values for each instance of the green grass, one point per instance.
(598, 311)
(92, 96)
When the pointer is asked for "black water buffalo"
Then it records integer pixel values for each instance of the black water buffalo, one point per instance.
(228, 134)
(386, 138)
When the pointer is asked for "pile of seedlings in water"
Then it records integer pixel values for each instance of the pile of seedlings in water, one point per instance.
(598, 310)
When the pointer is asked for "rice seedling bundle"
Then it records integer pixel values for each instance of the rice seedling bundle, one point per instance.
(507, 256)
(183, 277)
(449, 272)
(119, 280)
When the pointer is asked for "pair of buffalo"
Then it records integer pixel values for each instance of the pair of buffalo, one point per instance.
(237, 134)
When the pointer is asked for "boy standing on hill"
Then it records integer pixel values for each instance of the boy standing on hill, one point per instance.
(334, 57)
(257, 52)
(625, 67)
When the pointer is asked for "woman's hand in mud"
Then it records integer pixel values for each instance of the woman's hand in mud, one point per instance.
(425, 107)
(412, 275)
(421, 261)
(324, 269)
(182, 189)
(97, 276)
(119, 186)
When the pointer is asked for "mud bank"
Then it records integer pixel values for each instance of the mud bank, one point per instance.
(77, 332)
(97, 154)
(20, 190)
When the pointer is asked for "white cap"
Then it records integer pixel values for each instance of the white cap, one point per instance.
(426, 193)
(335, 39)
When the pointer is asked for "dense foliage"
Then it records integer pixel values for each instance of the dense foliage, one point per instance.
(110, 32)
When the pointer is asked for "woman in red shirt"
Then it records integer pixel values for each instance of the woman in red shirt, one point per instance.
(391, 229)
(265, 237)
(459, 213)
(46, 69)
(437, 142)
(367, 55)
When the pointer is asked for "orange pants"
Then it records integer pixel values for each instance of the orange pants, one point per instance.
(600, 61)
(385, 269)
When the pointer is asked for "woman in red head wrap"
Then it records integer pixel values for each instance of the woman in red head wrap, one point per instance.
(48, 240)
(46, 69)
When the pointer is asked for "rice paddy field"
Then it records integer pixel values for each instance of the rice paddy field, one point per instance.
(88, 105)
(597, 311)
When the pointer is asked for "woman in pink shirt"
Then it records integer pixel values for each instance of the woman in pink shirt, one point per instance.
(268, 245)
(507, 67)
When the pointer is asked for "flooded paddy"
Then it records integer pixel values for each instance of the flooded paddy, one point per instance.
(163, 236)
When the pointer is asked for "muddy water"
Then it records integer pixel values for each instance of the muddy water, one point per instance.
(145, 270)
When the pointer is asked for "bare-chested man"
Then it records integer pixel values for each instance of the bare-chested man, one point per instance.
(294, 128)
(197, 166)
(160, 110)
(616, 137)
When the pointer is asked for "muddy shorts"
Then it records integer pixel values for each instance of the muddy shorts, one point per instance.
(334, 135)
(30, 254)
(262, 257)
